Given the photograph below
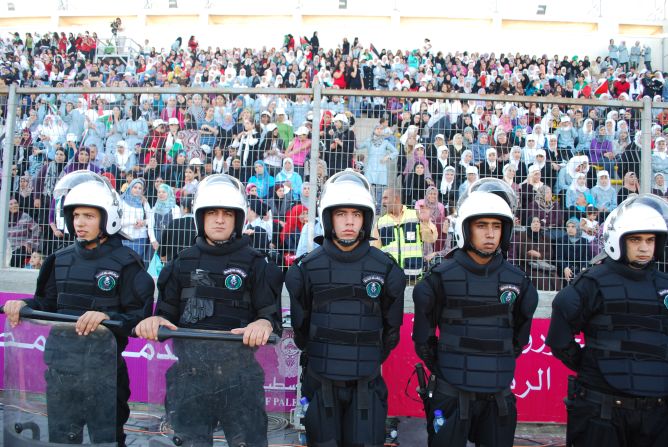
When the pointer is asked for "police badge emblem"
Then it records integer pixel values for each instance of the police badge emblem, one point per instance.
(233, 281)
(509, 294)
(106, 280)
(373, 285)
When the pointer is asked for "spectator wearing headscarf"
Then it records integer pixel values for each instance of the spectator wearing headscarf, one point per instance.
(262, 180)
(289, 177)
(134, 221)
(605, 196)
(164, 211)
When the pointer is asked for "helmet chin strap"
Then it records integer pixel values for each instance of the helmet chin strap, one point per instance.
(349, 242)
(84, 242)
(226, 241)
(484, 254)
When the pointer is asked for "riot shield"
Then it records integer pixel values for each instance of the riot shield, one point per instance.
(206, 385)
(59, 387)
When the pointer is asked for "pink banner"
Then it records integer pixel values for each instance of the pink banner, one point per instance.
(539, 385)
(540, 379)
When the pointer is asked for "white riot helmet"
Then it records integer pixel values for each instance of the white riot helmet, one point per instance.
(486, 197)
(86, 188)
(220, 191)
(645, 213)
(346, 189)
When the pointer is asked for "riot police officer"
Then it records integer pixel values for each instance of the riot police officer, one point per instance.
(483, 307)
(346, 302)
(98, 279)
(219, 283)
(620, 396)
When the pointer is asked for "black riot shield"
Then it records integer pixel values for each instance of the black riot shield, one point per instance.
(59, 387)
(207, 385)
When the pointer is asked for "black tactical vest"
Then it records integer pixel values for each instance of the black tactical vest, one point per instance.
(346, 320)
(223, 281)
(629, 337)
(475, 348)
(91, 282)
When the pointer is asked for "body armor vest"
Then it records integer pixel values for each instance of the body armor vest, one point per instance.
(220, 283)
(629, 337)
(475, 348)
(346, 320)
(91, 283)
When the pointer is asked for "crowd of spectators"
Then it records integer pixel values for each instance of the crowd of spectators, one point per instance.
(570, 166)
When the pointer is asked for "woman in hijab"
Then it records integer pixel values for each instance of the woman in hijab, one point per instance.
(415, 184)
(586, 135)
(23, 235)
(417, 156)
(659, 186)
(281, 202)
(604, 194)
(82, 163)
(437, 214)
(291, 180)
(262, 180)
(457, 146)
(25, 196)
(164, 211)
(660, 157)
(509, 176)
(134, 128)
(490, 167)
(578, 195)
(294, 222)
(465, 161)
(600, 150)
(238, 171)
(533, 250)
(448, 187)
(630, 186)
(136, 210)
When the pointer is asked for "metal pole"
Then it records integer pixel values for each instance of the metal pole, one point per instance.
(646, 149)
(7, 159)
(313, 164)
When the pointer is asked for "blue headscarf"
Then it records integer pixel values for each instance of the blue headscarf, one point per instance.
(163, 207)
(133, 201)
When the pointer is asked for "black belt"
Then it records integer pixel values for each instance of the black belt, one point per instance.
(610, 401)
(465, 398)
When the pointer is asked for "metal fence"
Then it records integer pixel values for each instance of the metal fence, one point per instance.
(284, 143)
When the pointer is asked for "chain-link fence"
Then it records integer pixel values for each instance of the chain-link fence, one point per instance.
(570, 163)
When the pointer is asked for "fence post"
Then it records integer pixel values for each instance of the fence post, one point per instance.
(646, 149)
(313, 165)
(7, 161)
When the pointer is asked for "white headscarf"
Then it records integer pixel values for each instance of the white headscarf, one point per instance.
(574, 184)
(445, 185)
(599, 174)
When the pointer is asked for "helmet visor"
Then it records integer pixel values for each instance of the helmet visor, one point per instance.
(493, 186)
(76, 178)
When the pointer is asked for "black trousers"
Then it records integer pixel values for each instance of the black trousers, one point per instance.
(203, 395)
(624, 428)
(344, 424)
(85, 381)
(484, 426)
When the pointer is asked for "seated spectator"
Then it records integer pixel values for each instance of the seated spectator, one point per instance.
(82, 163)
(189, 185)
(281, 202)
(629, 186)
(23, 235)
(263, 181)
(257, 227)
(208, 129)
(509, 171)
(490, 167)
(533, 250)
(25, 196)
(174, 173)
(294, 222)
(571, 252)
(415, 184)
(548, 212)
(448, 189)
(437, 215)
(290, 178)
(528, 192)
(659, 187)
(299, 148)
(578, 196)
(272, 146)
(627, 154)
(604, 195)
(471, 177)
(600, 151)
(465, 161)
(238, 171)
(660, 157)
(591, 230)
(340, 145)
